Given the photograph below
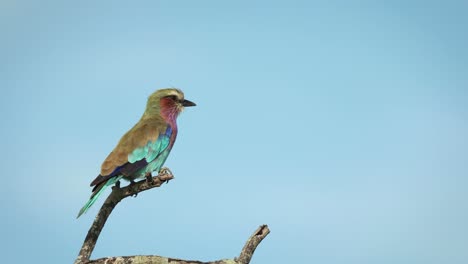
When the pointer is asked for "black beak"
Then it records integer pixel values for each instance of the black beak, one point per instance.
(187, 103)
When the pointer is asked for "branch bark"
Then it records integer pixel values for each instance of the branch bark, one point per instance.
(116, 196)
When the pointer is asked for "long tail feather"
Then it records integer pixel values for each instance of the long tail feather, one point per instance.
(96, 195)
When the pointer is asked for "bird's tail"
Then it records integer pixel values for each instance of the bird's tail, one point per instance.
(98, 193)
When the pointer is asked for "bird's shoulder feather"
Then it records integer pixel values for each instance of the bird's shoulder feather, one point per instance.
(147, 129)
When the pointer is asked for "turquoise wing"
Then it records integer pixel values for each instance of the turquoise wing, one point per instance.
(147, 158)
(152, 149)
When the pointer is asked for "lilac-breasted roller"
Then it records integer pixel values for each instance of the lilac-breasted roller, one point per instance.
(145, 147)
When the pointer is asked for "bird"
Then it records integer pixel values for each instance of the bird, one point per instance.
(146, 146)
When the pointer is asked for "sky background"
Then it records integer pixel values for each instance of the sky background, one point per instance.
(341, 124)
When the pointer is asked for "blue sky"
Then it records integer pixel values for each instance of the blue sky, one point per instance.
(341, 124)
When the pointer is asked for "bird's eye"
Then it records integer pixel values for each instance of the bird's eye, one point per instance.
(173, 97)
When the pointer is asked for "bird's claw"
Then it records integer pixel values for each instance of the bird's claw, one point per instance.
(165, 171)
(132, 182)
(149, 178)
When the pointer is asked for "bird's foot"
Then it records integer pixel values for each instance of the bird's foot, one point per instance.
(132, 182)
(116, 186)
(149, 178)
(165, 171)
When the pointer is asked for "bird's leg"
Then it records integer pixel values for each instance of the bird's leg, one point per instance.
(132, 182)
(149, 178)
(116, 186)
(165, 171)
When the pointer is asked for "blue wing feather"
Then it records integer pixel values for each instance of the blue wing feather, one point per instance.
(144, 159)
(152, 149)
(140, 158)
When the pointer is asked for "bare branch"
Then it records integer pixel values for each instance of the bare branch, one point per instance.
(244, 257)
(116, 196)
(112, 200)
(153, 260)
(252, 243)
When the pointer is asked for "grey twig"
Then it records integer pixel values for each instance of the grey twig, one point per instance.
(116, 196)
(112, 200)
(252, 243)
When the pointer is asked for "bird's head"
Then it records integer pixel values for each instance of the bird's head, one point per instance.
(167, 102)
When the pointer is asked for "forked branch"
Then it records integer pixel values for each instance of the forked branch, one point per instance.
(116, 196)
